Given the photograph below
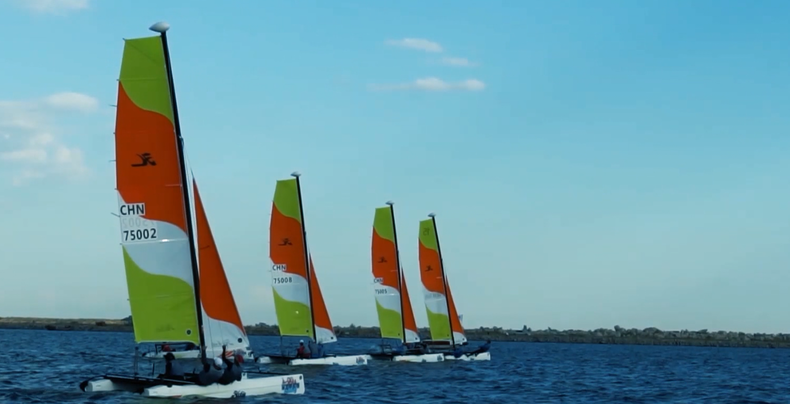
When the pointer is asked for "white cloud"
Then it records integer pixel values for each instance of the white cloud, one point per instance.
(73, 101)
(416, 43)
(32, 145)
(461, 62)
(432, 84)
(54, 6)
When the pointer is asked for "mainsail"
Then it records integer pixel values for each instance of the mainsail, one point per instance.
(396, 317)
(156, 228)
(442, 317)
(300, 307)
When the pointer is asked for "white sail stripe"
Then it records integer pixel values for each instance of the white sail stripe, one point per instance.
(324, 336)
(390, 300)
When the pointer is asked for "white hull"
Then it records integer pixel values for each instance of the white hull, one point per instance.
(348, 360)
(424, 358)
(257, 386)
(195, 354)
(484, 356)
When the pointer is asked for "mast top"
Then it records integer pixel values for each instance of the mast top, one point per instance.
(432, 215)
(160, 27)
(296, 174)
(390, 203)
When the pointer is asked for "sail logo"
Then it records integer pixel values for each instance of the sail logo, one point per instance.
(382, 260)
(279, 267)
(145, 160)
(289, 385)
(378, 280)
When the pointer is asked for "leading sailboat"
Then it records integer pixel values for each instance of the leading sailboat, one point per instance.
(157, 230)
(443, 319)
(300, 307)
(396, 317)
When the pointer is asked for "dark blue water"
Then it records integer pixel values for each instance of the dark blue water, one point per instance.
(47, 366)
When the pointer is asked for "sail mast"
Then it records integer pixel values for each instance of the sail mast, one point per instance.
(308, 271)
(400, 270)
(161, 28)
(444, 278)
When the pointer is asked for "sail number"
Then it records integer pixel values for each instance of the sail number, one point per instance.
(381, 291)
(134, 226)
(282, 280)
(139, 234)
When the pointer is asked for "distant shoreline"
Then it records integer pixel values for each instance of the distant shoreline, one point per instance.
(616, 336)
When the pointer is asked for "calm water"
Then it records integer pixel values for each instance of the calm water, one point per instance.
(46, 367)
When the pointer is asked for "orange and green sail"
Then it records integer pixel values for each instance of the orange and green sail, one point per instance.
(151, 206)
(293, 295)
(396, 317)
(439, 305)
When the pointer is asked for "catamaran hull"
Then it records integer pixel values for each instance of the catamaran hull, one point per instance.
(155, 388)
(349, 360)
(424, 358)
(194, 354)
(483, 356)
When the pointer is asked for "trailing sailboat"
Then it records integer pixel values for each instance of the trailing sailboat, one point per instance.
(157, 231)
(300, 307)
(443, 320)
(396, 317)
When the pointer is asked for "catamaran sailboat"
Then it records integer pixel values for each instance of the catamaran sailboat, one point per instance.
(396, 317)
(300, 307)
(158, 239)
(447, 333)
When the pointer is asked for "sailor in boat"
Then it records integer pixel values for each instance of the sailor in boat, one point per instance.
(400, 349)
(233, 368)
(482, 348)
(173, 369)
(301, 352)
(211, 373)
(316, 350)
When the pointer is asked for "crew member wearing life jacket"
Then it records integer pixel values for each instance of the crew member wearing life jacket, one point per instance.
(233, 368)
(301, 352)
(482, 348)
(173, 369)
(211, 373)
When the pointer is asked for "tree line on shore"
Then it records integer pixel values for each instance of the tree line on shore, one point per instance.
(616, 335)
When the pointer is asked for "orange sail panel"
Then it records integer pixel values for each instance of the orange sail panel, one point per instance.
(442, 315)
(412, 334)
(222, 323)
(323, 326)
(151, 200)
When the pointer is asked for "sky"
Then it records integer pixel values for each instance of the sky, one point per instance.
(591, 164)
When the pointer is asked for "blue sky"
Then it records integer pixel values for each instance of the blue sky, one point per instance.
(590, 163)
